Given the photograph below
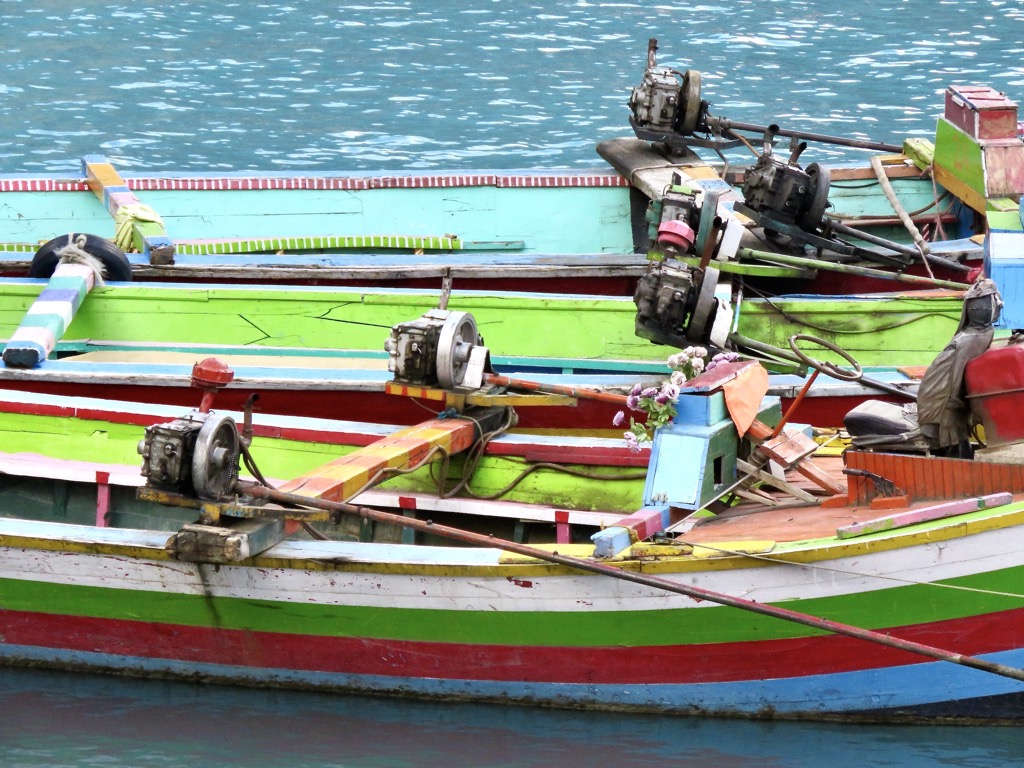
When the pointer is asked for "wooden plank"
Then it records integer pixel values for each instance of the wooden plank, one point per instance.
(343, 478)
(922, 515)
(148, 234)
(636, 527)
(653, 173)
(770, 479)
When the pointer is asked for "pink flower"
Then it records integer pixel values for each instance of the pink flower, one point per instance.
(633, 403)
(649, 392)
(619, 419)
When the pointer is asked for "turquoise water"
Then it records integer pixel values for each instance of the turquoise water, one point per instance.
(451, 84)
(57, 720)
(313, 85)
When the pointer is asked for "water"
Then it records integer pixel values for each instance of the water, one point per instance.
(315, 85)
(57, 720)
(311, 85)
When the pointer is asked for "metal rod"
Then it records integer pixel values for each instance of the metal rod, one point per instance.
(796, 403)
(906, 250)
(697, 593)
(849, 269)
(555, 389)
(842, 141)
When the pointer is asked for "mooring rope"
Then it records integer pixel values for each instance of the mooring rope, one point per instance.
(74, 253)
(890, 195)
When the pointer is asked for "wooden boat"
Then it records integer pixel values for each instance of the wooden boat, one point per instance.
(745, 280)
(395, 229)
(454, 560)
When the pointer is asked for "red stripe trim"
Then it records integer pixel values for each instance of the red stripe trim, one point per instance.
(725, 662)
(346, 183)
(43, 185)
(379, 182)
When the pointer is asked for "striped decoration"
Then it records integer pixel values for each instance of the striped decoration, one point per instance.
(356, 183)
(330, 242)
(345, 183)
(49, 316)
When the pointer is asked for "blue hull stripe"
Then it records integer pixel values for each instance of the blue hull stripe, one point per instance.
(847, 693)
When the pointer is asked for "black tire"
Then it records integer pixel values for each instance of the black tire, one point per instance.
(113, 258)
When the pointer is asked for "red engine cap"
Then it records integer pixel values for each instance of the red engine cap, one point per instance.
(211, 373)
(676, 233)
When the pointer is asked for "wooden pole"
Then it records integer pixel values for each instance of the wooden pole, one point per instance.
(51, 313)
(697, 593)
(582, 393)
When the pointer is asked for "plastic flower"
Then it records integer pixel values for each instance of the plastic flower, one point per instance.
(631, 442)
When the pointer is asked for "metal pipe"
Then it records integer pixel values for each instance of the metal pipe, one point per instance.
(906, 250)
(849, 269)
(697, 593)
(726, 124)
(555, 389)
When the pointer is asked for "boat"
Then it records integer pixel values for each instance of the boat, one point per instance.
(692, 251)
(455, 560)
(889, 218)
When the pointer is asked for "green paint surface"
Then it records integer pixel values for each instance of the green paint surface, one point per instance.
(531, 325)
(108, 442)
(901, 330)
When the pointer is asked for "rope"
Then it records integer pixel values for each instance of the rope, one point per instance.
(890, 195)
(126, 217)
(74, 253)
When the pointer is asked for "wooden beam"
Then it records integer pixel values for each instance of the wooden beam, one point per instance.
(343, 478)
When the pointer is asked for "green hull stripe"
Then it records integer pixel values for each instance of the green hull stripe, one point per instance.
(884, 608)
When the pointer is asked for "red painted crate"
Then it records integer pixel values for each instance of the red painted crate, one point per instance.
(995, 391)
(981, 111)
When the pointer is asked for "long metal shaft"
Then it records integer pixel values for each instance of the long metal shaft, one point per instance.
(849, 269)
(590, 566)
(842, 141)
(583, 393)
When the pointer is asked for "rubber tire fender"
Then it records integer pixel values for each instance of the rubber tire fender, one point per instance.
(113, 258)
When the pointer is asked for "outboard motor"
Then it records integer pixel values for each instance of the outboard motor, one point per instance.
(666, 107)
(441, 348)
(776, 192)
(678, 306)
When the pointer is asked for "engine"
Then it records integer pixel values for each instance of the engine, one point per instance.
(786, 193)
(441, 348)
